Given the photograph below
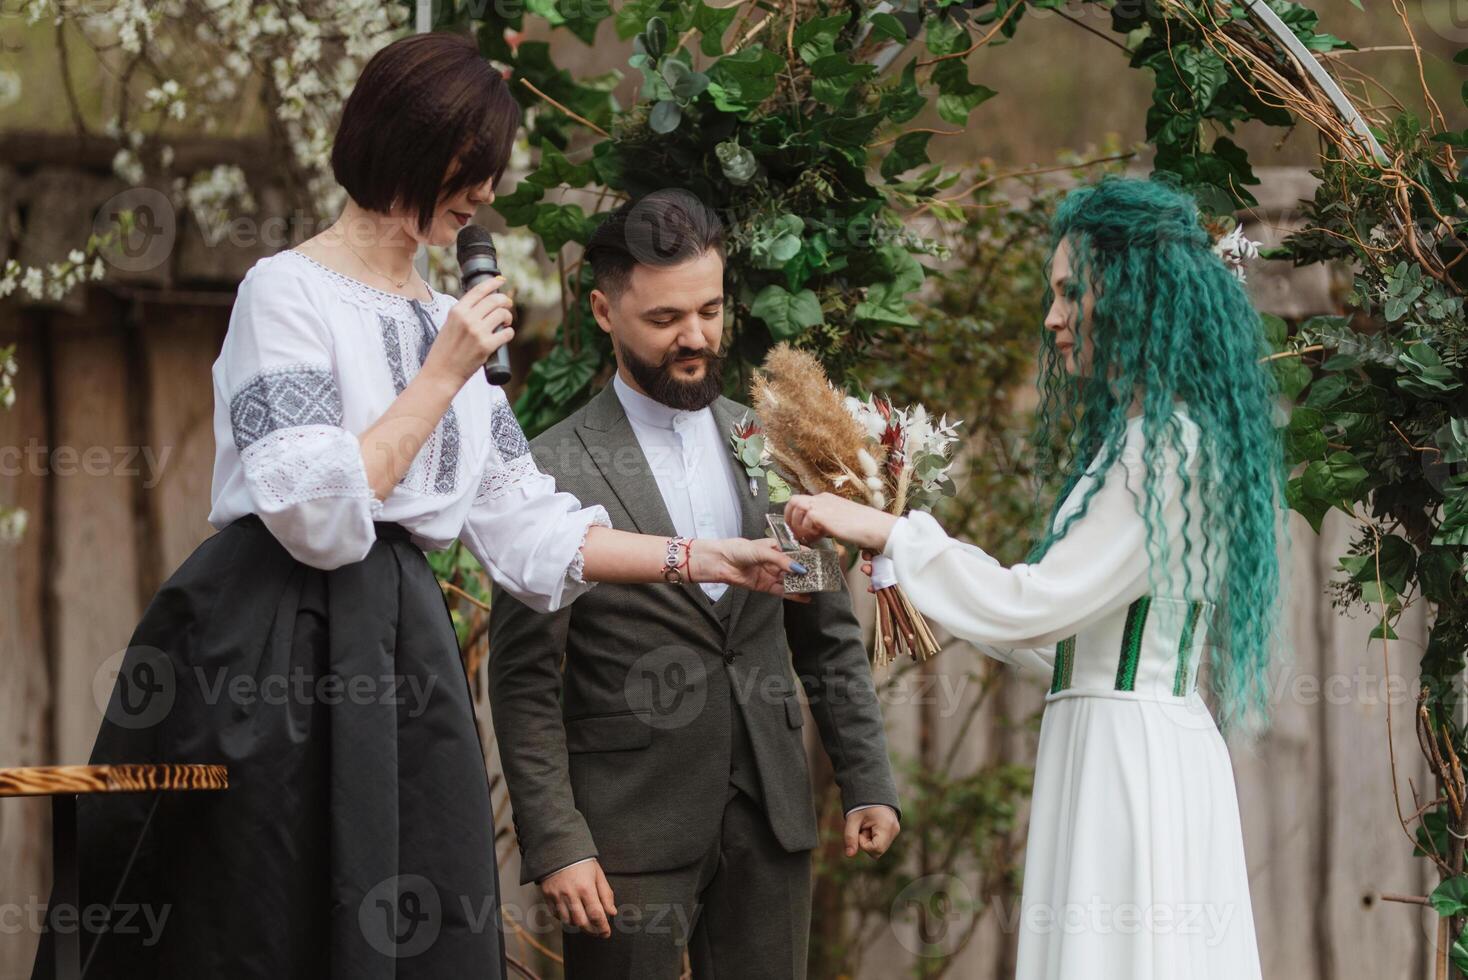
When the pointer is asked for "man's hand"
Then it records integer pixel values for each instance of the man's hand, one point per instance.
(582, 897)
(871, 829)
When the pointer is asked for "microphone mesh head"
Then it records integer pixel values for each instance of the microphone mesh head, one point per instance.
(474, 240)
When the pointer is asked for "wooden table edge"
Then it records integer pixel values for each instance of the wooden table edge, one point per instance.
(122, 778)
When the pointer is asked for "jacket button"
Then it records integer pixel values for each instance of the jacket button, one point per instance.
(729, 657)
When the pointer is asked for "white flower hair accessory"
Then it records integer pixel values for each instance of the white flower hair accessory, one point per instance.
(1235, 250)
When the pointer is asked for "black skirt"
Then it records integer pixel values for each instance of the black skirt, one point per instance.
(356, 839)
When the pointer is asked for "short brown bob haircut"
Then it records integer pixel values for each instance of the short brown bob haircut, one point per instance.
(422, 104)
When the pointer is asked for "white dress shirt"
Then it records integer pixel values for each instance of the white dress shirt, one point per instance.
(688, 458)
(312, 358)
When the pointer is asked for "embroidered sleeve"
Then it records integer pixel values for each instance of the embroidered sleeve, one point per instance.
(304, 471)
(526, 533)
(511, 464)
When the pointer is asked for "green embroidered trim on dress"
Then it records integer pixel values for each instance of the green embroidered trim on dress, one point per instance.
(1065, 658)
(1131, 644)
(1185, 650)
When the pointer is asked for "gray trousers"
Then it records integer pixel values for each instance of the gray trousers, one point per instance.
(742, 912)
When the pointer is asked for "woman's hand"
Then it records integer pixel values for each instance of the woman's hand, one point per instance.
(827, 515)
(476, 327)
(756, 565)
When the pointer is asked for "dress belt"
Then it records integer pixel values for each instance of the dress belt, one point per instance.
(390, 530)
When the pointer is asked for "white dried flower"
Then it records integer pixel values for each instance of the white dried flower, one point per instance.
(1235, 250)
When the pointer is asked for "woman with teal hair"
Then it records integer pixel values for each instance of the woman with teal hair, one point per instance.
(1161, 547)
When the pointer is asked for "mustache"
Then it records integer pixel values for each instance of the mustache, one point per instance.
(689, 354)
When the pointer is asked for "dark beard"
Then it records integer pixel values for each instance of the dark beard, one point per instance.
(661, 386)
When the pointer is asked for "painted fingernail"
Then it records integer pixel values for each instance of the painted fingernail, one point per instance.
(798, 568)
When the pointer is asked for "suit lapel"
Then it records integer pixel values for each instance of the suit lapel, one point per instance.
(614, 450)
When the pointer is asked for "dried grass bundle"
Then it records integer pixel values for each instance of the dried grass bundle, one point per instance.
(809, 432)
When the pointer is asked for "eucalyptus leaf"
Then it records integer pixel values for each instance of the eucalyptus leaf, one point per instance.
(665, 116)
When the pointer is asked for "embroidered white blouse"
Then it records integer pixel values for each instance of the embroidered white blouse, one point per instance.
(313, 357)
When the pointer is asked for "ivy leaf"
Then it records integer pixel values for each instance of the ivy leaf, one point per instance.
(741, 81)
(1310, 508)
(520, 205)
(1378, 593)
(608, 163)
(1451, 896)
(1382, 631)
(835, 75)
(886, 302)
(1203, 74)
(1276, 331)
(555, 170)
(711, 23)
(1334, 479)
(816, 38)
(943, 35)
(903, 271)
(1435, 570)
(582, 19)
(910, 150)
(1432, 834)
(787, 314)
(665, 116)
(885, 25)
(958, 96)
(557, 224)
(1394, 564)
(1305, 436)
(545, 9)
(1292, 375)
(1453, 529)
(903, 100)
(632, 17)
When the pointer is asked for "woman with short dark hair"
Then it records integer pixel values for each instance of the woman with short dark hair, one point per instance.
(307, 645)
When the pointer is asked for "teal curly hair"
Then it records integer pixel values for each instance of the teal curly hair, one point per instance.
(1172, 323)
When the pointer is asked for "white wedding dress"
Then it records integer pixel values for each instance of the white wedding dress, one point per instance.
(1134, 865)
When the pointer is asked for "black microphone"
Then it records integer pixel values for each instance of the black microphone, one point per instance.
(478, 262)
